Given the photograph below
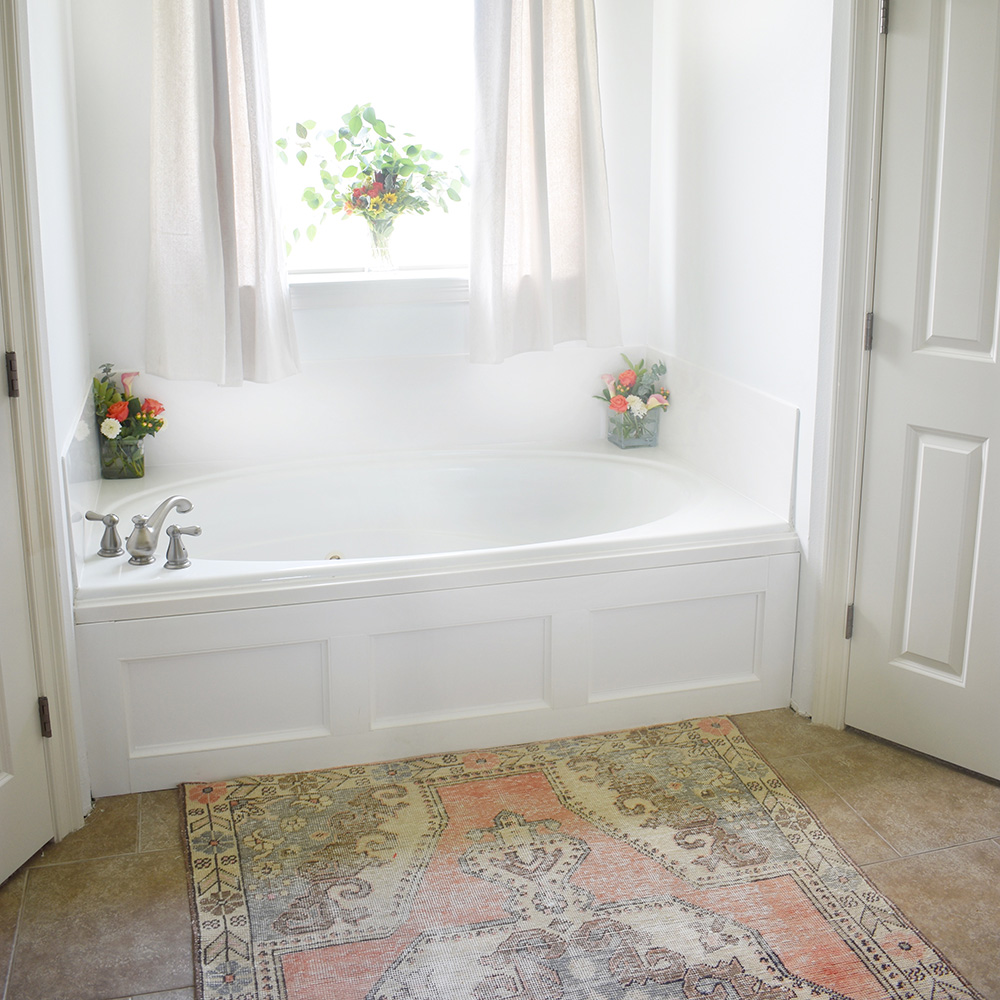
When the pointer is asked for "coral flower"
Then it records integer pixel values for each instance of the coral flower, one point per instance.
(118, 411)
(627, 378)
(619, 404)
(151, 405)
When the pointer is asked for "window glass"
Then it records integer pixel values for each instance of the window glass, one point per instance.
(413, 65)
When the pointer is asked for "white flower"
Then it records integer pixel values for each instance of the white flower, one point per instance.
(636, 405)
(110, 427)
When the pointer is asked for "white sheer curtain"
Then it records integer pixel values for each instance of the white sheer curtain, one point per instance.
(218, 296)
(542, 267)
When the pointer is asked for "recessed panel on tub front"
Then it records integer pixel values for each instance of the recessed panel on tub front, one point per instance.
(675, 644)
(223, 698)
(455, 671)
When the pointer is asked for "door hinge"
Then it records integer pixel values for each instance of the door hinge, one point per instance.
(13, 389)
(44, 717)
(849, 629)
(883, 17)
(869, 330)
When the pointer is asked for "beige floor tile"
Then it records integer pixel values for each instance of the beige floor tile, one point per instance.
(119, 926)
(160, 820)
(916, 804)
(11, 894)
(858, 840)
(952, 896)
(112, 828)
(781, 732)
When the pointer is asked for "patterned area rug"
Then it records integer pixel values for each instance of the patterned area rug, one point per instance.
(665, 862)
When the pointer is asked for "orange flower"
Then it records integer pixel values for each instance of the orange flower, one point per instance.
(153, 406)
(627, 378)
(619, 404)
(118, 411)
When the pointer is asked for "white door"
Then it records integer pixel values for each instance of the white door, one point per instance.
(25, 811)
(925, 654)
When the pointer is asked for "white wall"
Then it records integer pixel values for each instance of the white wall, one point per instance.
(61, 272)
(741, 109)
(113, 42)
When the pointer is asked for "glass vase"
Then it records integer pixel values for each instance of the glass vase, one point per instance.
(628, 430)
(122, 458)
(380, 259)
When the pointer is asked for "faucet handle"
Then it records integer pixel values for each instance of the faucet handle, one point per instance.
(111, 542)
(177, 556)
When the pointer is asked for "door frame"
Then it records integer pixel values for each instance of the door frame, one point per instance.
(35, 456)
(848, 395)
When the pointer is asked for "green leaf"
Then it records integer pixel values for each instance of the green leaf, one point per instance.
(369, 115)
(350, 171)
(454, 195)
(300, 130)
(355, 125)
(283, 156)
(338, 147)
(311, 233)
(296, 234)
(301, 156)
(380, 128)
(282, 142)
(309, 124)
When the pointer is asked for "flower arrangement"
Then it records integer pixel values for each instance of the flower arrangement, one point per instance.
(379, 181)
(635, 402)
(123, 420)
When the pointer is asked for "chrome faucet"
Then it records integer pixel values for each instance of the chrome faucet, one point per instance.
(141, 543)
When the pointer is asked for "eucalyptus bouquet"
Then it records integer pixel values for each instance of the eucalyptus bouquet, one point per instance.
(364, 171)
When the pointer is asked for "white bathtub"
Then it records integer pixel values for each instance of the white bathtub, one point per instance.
(374, 608)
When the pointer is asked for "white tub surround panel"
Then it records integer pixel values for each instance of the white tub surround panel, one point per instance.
(742, 437)
(209, 696)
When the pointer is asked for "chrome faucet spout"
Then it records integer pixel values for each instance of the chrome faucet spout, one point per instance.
(141, 543)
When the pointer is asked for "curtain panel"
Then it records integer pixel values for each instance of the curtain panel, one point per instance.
(218, 306)
(542, 268)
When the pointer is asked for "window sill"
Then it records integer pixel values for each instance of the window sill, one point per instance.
(323, 289)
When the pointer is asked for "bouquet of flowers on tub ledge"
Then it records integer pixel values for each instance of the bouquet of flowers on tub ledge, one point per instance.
(123, 421)
(634, 403)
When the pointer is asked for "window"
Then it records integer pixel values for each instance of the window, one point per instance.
(413, 65)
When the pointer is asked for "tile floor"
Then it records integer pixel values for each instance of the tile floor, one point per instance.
(104, 914)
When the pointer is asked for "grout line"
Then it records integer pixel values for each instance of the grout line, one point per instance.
(17, 931)
(138, 822)
(850, 809)
(932, 850)
(96, 857)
